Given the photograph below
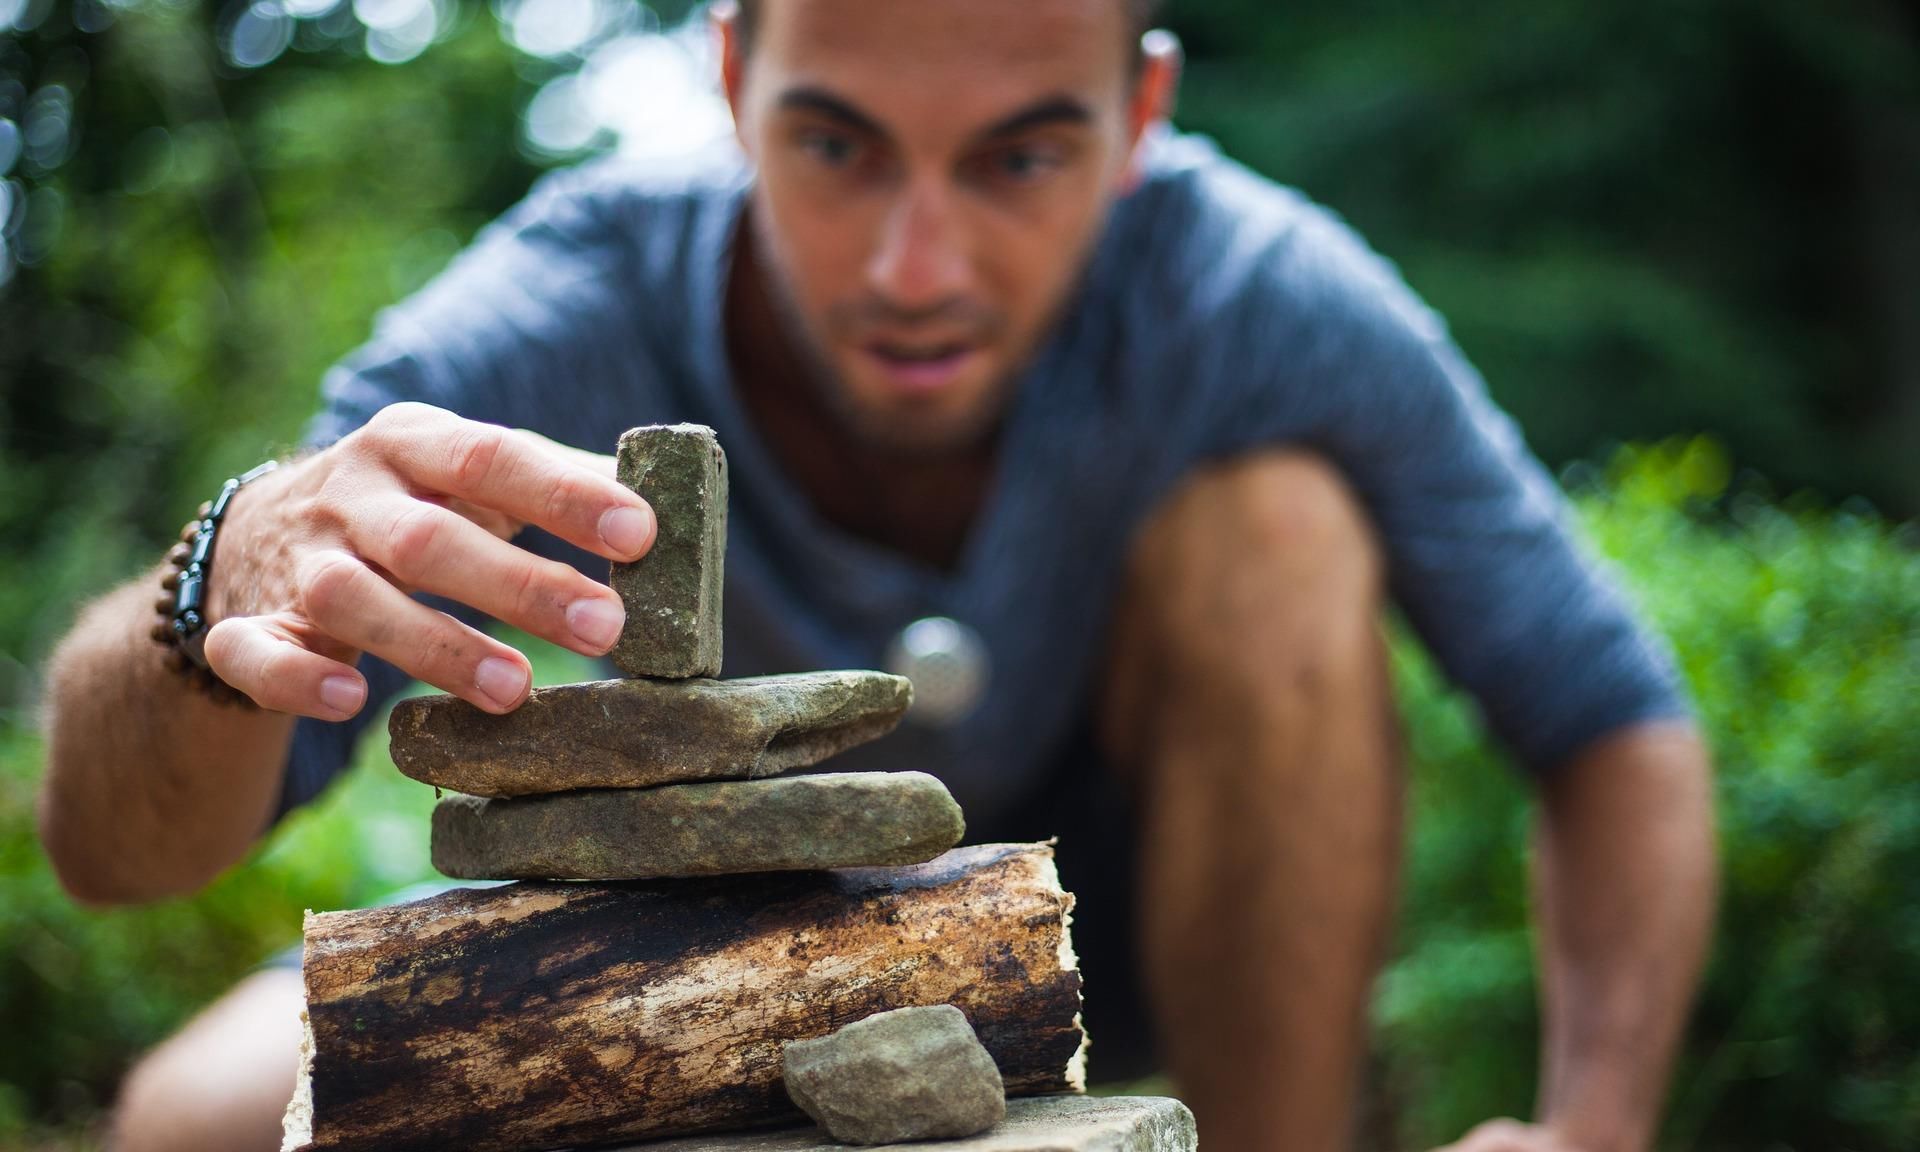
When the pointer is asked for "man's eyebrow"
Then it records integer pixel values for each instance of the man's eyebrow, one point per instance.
(1052, 110)
(825, 103)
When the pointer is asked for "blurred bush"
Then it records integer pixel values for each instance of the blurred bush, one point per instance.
(1799, 628)
(216, 237)
(81, 992)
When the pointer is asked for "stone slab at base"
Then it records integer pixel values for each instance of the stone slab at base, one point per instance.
(1033, 1124)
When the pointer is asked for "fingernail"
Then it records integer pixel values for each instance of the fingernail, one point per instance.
(596, 622)
(342, 694)
(501, 681)
(627, 530)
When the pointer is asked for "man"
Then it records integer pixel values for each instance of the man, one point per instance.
(983, 341)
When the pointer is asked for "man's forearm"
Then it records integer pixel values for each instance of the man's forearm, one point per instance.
(1625, 879)
(151, 787)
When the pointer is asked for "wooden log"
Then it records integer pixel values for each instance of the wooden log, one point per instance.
(540, 1014)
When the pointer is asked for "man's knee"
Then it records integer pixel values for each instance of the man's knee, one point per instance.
(1259, 567)
(221, 1083)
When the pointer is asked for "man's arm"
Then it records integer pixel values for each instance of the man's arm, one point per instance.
(151, 790)
(1625, 879)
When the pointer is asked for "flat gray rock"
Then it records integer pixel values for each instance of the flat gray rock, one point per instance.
(1033, 1124)
(672, 594)
(909, 1074)
(789, 823)
(639, 733)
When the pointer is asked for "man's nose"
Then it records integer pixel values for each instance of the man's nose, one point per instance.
(923, 259)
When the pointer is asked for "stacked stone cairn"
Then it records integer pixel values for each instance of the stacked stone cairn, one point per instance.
(669, 771)
(544, 1014)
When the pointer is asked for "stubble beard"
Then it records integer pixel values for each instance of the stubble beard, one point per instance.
(875, 432)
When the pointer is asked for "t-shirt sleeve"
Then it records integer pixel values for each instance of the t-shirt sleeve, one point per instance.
(509, 323)
(1482, 552)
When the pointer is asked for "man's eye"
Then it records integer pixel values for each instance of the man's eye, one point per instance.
(830, 148)
(1022, 165)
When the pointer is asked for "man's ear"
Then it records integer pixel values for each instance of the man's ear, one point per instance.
(1154, 91)
(725, 19)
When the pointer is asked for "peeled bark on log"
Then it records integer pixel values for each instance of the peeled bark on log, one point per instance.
(539, 1015)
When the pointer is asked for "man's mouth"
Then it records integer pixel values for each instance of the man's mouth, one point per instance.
(920, 368)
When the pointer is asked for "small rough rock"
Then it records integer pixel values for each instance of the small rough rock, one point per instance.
(640, 733)
(672, 594)
(909, 1074)
(786, 824)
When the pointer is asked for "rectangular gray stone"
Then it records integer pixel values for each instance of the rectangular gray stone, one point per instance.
(672, 594)
(788, 823)
(1033, 1124)
(641, 733)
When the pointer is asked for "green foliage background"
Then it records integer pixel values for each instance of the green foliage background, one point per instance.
(1646, 221)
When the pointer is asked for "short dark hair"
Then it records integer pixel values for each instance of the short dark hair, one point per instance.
(747, 12)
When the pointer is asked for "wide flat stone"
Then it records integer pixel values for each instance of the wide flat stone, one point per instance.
(910, 1074)
(639, 733)
(1033, 1124)
(789, 823)
(672, 594)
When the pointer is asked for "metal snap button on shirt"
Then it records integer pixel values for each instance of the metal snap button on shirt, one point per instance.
(947, 663)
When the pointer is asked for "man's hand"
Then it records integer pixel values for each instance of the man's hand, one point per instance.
(1511, 1136)
(315, 562)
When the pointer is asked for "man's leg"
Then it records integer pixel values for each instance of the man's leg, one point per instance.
(1249, 700)
(220, 1084)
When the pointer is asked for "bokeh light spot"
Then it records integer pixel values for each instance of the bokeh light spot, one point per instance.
(556, 122)
(40, 231)
(552, 28)
(10, 145)
(91, 16)
(260, 33)
(48, 132)
(380, 14)
(401, 42)
(652, 92)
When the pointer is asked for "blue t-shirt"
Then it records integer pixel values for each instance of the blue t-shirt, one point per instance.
(1220, 313)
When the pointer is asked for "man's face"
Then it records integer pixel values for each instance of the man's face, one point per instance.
(932, 178)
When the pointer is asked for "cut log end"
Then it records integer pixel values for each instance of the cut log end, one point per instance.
(297, 1126)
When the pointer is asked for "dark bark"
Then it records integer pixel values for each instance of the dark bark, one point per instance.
(538, 1015)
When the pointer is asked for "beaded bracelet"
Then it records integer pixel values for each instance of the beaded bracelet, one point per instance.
(182, 608)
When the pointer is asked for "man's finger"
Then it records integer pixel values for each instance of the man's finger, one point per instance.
(281, 676)
(497, 524)
(517, 474)
(599, 463)
(434, 549)
(354, 605)
(1504, 1135)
